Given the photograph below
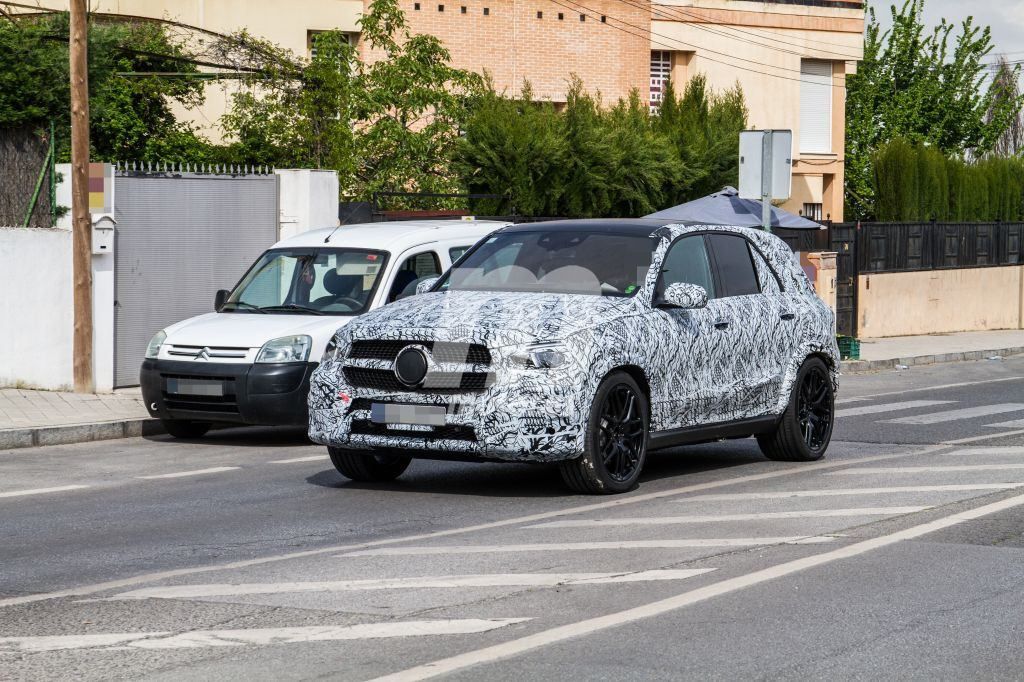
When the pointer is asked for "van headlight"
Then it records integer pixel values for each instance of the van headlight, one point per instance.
(541, 355)
(286, 349)
(153, 349)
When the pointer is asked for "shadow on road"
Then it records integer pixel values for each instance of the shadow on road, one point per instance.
(245, 436)
(542, 480)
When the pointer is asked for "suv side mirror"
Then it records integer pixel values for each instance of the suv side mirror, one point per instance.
(425, 284)
(220, 299)
(683, 295)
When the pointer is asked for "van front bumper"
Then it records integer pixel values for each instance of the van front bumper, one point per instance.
(259, 394)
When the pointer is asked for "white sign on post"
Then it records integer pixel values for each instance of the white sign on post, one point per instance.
(766, 168)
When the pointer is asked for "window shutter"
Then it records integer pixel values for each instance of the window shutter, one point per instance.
(815, 106)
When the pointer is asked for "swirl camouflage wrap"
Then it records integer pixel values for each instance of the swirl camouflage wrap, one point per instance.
(736, 358)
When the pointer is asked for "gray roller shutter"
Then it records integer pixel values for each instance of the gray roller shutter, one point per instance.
(178, 240)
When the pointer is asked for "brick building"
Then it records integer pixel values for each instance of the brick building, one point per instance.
(790, 57)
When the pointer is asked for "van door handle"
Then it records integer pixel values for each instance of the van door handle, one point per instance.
(721, 324)
(788, 316)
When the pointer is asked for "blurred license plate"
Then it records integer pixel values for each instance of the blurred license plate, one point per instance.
(207, 387)
(392, 413)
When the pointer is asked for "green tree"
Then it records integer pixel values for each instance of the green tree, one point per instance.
(130, 116)
(922, 86)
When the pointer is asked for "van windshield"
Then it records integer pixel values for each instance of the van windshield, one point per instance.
(308, 281)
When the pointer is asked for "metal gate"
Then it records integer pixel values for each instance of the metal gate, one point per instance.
(180, 237)
(843, 240)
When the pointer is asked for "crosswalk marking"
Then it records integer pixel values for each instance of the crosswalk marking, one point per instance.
(426, 582)
(582, 546)
(296, 460)
(673, 520)
(41, 491)
(857, 491)
(956, 415)
(890, 407)
(928, 469)
(1014, 424)
(195, 472)
(257, 636)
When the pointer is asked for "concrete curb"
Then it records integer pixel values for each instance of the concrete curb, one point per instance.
(78, 433)
(865, 366)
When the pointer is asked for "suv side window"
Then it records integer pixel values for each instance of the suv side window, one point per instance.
(735, 267)
(687, 261)
(769, 282)
(415, 268)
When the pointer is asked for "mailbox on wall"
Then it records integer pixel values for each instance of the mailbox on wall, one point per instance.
(102, 235)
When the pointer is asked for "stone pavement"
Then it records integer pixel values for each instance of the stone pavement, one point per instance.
(23, 408)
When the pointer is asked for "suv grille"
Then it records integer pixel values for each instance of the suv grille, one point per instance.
(385, 380)
(473, 353)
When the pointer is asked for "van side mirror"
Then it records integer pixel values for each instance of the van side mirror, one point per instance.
(220, 299)
(683, 295)
(425, 284)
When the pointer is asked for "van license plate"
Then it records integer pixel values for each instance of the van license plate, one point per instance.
(202, 387)
(394, 413)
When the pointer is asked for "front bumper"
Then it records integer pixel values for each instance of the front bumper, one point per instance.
(258, 394)
(524, 416)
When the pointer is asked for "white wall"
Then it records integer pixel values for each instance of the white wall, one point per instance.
(308, 200)
(35, 308)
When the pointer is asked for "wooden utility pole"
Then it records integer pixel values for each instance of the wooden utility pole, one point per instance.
(81, 221)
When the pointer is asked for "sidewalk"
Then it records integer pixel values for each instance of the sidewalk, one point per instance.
(29, 418)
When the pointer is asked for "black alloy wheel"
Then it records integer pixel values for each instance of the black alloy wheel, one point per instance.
(615, 446)
(804, 430)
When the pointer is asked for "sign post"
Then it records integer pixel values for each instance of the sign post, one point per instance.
(766, 168)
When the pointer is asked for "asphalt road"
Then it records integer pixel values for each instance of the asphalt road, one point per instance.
(245, 556)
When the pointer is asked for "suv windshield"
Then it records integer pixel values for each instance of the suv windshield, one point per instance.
(308, 281)
(576, 262)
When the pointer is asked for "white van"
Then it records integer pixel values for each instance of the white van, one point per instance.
(250, 361)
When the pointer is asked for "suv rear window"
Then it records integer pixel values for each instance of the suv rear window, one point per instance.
(735, 268)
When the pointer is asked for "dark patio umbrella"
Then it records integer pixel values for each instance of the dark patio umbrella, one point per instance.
(726, 208)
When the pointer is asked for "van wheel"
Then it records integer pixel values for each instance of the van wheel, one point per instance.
(183, 428)
(805, 429)
(368, 466)
(615, 442)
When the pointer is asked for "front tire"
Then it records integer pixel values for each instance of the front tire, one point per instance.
(615, 446)
(368, 466)
(183, 428)
(805, 429)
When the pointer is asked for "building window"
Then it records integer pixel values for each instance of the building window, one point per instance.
(540, 15)
(583, 17)
(561, 16)
(661, 72)
(815, 106)
(462, 9)
(440, 8)
(416, 6)
(604, 19)
(812, 212)
(311, 41)
(487, 11)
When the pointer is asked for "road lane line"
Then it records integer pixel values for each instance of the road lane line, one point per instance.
(42, 491)
(257, 636)
(956, 415)
(975, 439)
(925, 470)
(584, 546)
(591, 625)
(1015, 424)
(314, 458)
(890, 407)
(674, 520)
(196, 472)
(618, 501)
(426, 582)
(999, 451)
(940, 387)
(839, 492)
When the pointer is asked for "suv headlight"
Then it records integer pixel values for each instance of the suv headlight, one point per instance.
(541, 355)
(153, 349)
(286, 349)
(331, 352)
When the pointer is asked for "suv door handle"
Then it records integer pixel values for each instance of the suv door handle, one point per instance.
(721, 324)
(788, 316)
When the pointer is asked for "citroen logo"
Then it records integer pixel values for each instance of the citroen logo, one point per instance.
(204, 354)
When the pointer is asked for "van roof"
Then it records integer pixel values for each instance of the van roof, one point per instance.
(394, 235)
